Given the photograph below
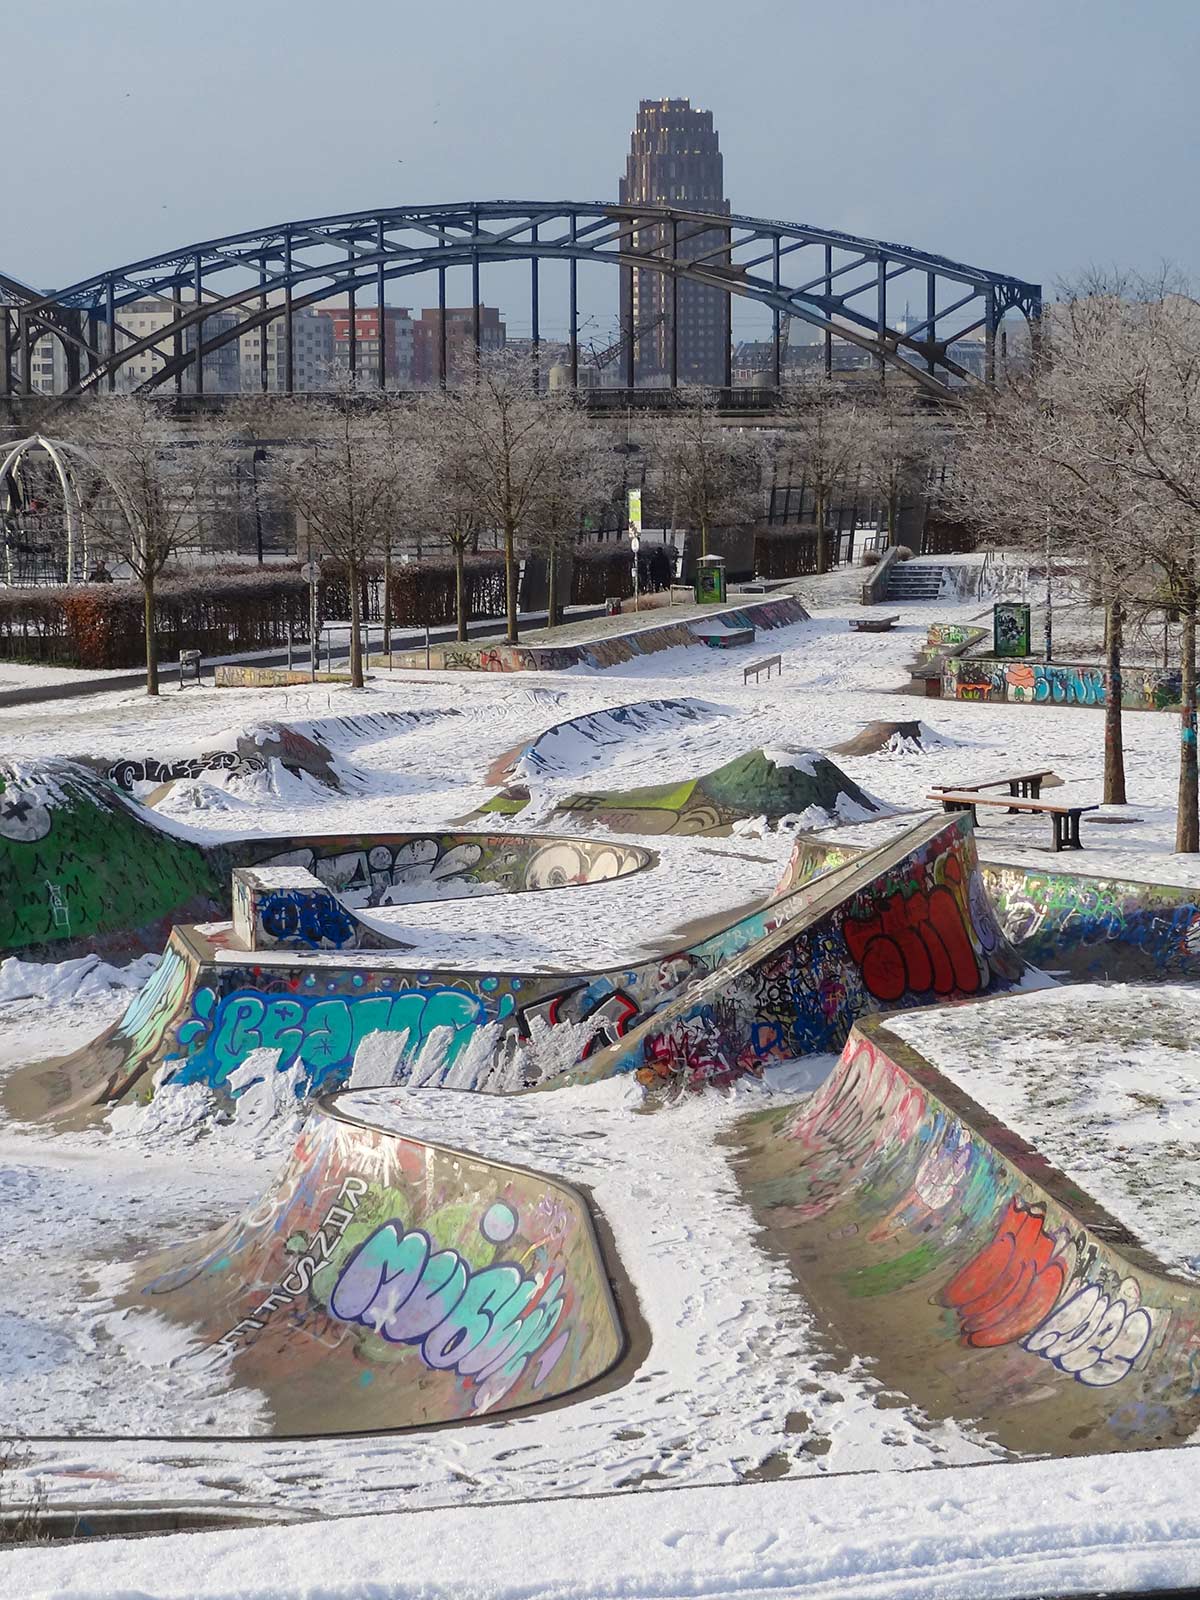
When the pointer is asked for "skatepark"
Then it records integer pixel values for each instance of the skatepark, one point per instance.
(510, 1070)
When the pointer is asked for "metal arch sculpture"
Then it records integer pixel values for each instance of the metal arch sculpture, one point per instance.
(835, 281)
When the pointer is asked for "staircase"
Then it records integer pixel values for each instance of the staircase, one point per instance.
(911, 584)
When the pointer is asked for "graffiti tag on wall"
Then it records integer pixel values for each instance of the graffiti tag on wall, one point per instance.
(484, 1323)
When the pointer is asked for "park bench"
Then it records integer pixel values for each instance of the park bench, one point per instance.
(765, 665)
(1022, 785)
(1064, 818)
(874, 624)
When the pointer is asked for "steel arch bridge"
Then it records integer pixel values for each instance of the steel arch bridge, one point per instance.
(219, 290)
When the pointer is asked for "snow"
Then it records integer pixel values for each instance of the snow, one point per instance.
(739, 1385)
(993, 1533)
(1104, 1081)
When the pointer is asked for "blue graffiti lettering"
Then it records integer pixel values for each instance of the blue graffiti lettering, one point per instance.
(486, 1324)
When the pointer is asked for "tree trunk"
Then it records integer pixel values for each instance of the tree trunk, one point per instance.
(891, 520)
(1187, 824)
(387, 598)
(510, 585)
(822, 539)
(151, 641)
(552, 587)
(1114, 746)
(460, 592)
(703, 536)
(356, 660)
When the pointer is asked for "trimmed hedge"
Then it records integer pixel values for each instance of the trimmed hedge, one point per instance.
(100, 625)
(602, 571)
(423, 591)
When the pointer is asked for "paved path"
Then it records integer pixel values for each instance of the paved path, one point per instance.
(32, 694)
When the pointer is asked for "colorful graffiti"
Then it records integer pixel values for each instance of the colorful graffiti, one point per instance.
(754, 785)
(914, 1234)
(320, 1031)
(611, 650)
(315, 921)
(381, 1283)
(127, 774)
(1097, 927)
(1014, 1282)
(916, 942)
(1058, 683)
(77, 861)
(486, 1323)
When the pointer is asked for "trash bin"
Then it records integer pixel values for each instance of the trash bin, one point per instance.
(612, 606)
(709, 585)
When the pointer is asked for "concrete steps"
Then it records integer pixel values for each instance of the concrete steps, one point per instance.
(910, 583)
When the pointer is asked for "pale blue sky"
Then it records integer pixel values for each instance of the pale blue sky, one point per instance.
(1038, 136)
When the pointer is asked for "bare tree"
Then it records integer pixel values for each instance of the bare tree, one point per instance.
(510, 450)
(897, 440)
(825, 437)
(157, 477)
(711, 471)
(343, 479)
(1098, 452)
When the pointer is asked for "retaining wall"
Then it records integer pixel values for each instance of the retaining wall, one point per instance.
(608, 650)
(1060, 683)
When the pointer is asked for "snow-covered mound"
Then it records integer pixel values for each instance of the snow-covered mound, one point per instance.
(801, 788)
(572, 746)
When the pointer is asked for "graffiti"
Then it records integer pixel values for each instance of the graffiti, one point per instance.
(611, 651)
(321, 1033)
(304, 1270)
(292, 916)
(915, 943)
(1072, 920)
(610, 1012)
(773, 785)
(485, 1323)
(1008, 1288)
(76, 861)
(126, 774)
(1057, 684)
(694, 1051)
(1094, 1337)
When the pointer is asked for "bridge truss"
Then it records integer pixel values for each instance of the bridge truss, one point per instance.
(840, 284)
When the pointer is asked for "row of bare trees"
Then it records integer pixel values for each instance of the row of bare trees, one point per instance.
(492, 459)
(1094, 456)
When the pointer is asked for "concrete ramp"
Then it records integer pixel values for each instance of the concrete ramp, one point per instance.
(905, 925)
(975, 1278)
(384, 1283)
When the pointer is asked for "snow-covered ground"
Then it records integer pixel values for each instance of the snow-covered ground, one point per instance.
(1102, 1080)
(739, 1386)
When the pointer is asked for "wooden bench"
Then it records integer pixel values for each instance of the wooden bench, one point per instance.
(874, 624)
(1022, 785)
(1064, 818)
(765, 665)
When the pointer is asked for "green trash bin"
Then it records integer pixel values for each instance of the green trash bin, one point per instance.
(709, 586)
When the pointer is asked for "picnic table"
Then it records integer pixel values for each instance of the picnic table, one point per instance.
(1026, 785)
(1064, 817)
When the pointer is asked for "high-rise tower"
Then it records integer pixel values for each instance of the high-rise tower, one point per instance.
(675, 160)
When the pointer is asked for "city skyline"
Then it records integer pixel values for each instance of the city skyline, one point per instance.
(1015, 158)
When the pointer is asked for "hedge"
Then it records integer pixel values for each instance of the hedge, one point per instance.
(601, 571)
(424, 591)
(101, 624)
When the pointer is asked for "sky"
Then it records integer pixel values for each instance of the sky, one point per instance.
(1038, 138)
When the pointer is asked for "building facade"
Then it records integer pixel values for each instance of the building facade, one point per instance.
(460, 341)
(675, 160)
(395, 351)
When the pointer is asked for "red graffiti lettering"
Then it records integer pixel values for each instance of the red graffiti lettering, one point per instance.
(1012, 1284)
(916, 943)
